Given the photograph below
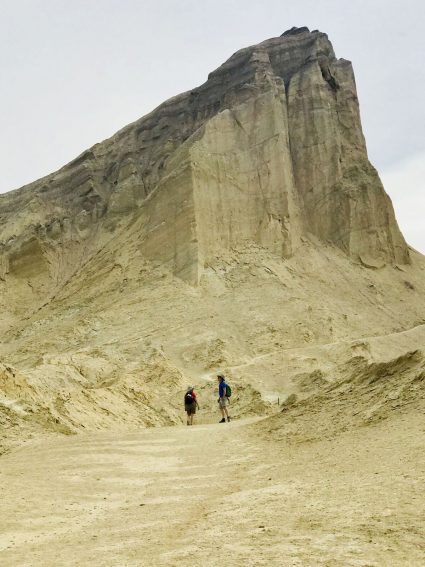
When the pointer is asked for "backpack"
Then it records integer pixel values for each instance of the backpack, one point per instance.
(228, 391)
(188, 398)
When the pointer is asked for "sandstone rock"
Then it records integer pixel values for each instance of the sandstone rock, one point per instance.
(268, 150)
(239, 226)
(290, 401)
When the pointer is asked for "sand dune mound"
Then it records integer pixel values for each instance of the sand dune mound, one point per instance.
(358, 392)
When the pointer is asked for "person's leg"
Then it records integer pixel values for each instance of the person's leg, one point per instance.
(222, 409)
(226, 410)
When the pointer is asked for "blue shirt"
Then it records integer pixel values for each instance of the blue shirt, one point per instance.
(221, 388)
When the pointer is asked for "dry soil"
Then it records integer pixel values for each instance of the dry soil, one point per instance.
(217, 495)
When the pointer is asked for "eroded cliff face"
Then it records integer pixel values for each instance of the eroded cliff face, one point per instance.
(269, 150)
(238, 227)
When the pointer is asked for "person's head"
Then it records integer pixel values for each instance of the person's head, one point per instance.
(189, 388)
(220, 377)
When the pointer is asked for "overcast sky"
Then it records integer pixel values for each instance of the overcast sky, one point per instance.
(75, 71)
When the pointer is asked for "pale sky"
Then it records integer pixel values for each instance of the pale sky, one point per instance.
(76, 71)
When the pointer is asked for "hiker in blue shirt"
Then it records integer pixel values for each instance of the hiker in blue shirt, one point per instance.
(223, 400)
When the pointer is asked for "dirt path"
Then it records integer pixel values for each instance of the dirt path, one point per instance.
(216, 495)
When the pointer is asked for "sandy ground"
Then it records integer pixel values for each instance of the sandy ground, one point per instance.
(220, 494)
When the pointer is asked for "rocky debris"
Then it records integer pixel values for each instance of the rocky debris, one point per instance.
(361, 392)
(295, 31)
(290, 401)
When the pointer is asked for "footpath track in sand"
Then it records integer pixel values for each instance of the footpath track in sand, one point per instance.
(216, 495)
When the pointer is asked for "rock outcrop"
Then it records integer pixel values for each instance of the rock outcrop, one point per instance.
(269, 150)
(238, 227)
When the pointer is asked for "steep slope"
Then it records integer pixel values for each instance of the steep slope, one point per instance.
(270, 148)
(238, 226)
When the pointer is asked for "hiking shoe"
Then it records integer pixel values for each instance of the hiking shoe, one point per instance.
(229, 418)
(222, 420)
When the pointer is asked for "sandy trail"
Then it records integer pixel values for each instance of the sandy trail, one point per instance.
(228, 494)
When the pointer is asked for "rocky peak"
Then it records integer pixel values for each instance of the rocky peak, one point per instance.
(295, 31)
(269, 150)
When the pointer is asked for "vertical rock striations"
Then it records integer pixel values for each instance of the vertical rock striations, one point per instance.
(268, 150)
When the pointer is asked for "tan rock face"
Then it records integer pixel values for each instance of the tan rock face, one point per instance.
(269, 149)
(238, 227)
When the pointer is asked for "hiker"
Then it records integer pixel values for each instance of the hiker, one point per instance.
(223, 400)
(190, 404)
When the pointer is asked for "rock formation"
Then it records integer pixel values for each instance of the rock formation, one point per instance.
(269, 150)
(239, 226)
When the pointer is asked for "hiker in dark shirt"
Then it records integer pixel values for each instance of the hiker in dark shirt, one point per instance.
(223, 400)
(190, 404)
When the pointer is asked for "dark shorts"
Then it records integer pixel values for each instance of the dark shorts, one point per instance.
(190, 408)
